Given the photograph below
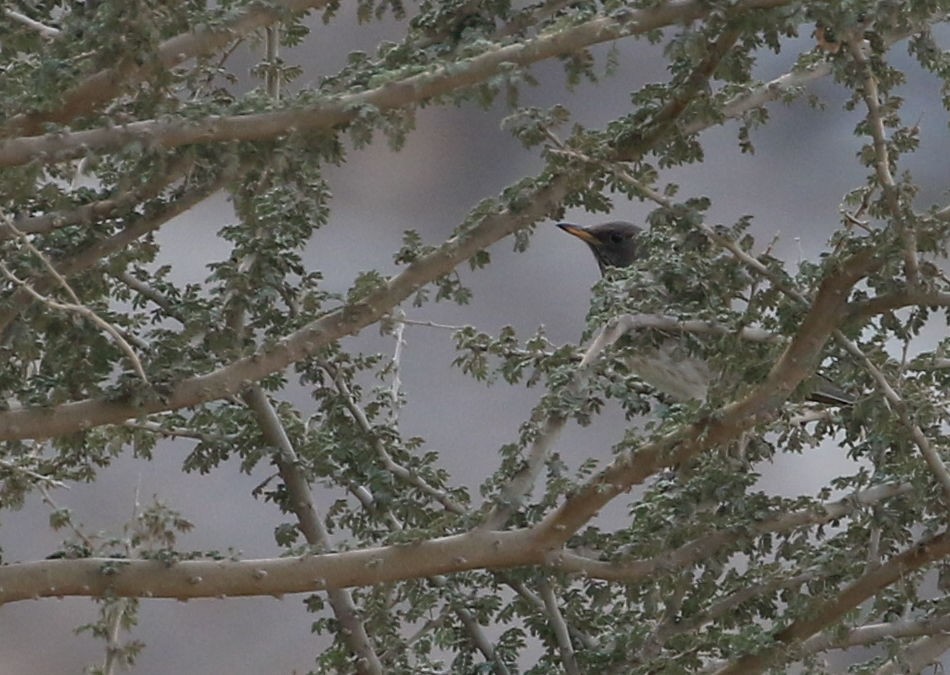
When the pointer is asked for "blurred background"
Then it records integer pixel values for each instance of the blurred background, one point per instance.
(803, 165)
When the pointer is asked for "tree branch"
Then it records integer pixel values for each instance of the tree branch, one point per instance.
(929, 453)
(341, 110)
(92, 254)
(863, 309)
(477, 549)
(918, 656)
(559, 627)
(105, 85)
(633, 571)
(882, 164)
(121, 200)
(824, 613)
(871, 633)
(97, 577)
(352, 631)
(48, 32)
(396, 469)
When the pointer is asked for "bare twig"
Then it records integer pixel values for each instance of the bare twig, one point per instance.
(429, 324)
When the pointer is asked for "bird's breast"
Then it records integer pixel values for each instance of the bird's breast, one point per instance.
(671, 370)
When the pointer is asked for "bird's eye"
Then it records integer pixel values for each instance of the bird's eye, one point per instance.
(616, 237)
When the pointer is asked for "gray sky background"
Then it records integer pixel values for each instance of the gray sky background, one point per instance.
(804, 164)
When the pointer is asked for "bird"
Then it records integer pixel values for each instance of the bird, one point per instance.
(669, 367)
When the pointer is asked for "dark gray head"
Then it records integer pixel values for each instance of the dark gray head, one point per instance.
(614, 244)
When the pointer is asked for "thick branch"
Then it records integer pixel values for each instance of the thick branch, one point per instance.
(97, 577)
(478, 549)
(864, 309)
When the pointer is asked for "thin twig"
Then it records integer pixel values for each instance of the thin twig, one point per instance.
(121, 240)
(76, 308)
(395, 365)
(915, 658)
(391, 465)
(146, 291)
(633, 571)
(179, 432)
(930, 454)
(429, 324)
(122, 199)
(825, 611)
(41, 479)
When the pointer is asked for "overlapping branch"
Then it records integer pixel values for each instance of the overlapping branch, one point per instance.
(341, 110)
(92, 254)
(538, 203)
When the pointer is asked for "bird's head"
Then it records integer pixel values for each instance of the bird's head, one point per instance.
(614, 244)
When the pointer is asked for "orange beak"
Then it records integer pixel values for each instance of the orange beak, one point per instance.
(580, 233)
